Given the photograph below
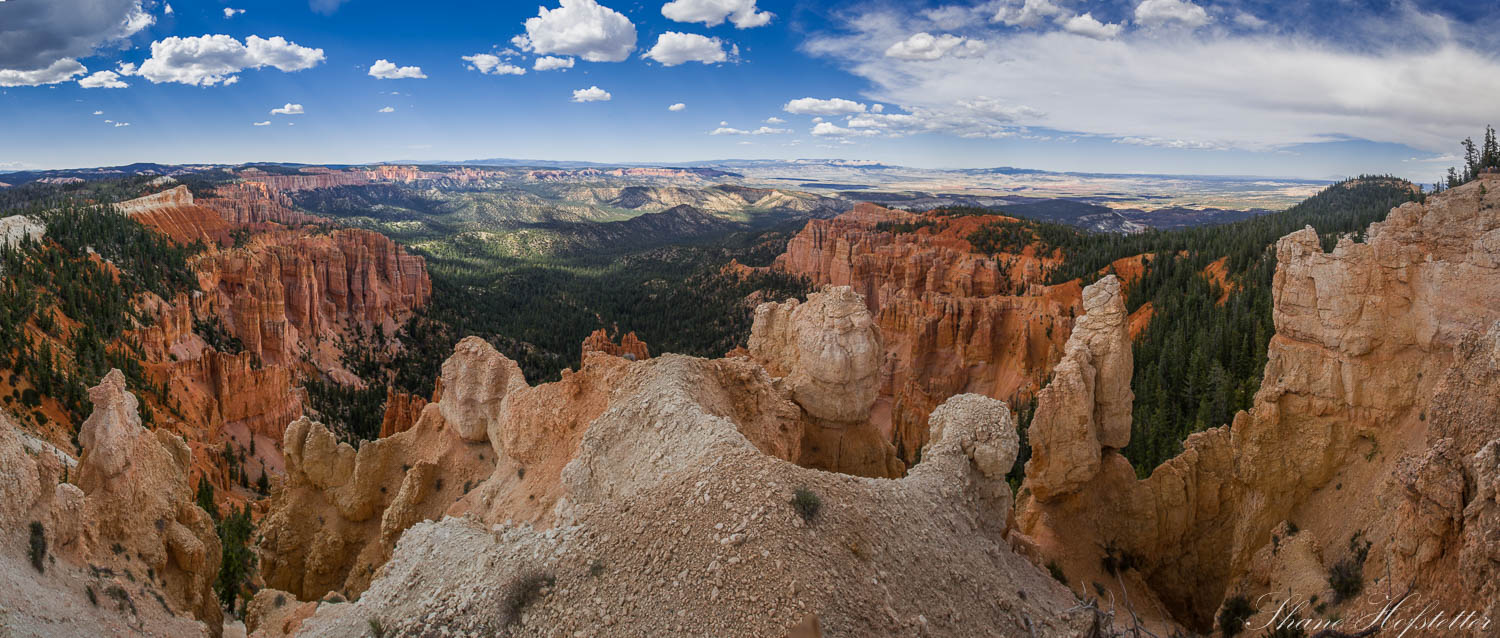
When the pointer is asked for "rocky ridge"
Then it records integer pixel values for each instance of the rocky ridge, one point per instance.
(1377, 409)
(122, 530)
(706, 454)
(953, 321)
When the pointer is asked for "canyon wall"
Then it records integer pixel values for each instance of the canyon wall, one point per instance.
(119, 527)
(285, 291)
(953, 321)
(653, 497)
(1377, 410)
(287, 295)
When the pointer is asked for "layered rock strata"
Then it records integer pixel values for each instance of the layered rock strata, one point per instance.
(126, 527)
(1375, 415)
(953, 321)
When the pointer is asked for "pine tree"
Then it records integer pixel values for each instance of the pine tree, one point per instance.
(1490, 157)
(1471, 160)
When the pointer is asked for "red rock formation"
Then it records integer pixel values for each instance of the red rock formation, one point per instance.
(953, 321)
(285, 294)
(308, 179)
(630, 346)
(401, 412)
(1375, 422)
(253, 203)
(174, 213)
(287, 290)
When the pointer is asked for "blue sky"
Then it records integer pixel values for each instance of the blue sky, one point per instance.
(1250, 87)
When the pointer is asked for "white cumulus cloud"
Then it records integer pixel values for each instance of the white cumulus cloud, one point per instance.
(592, 94)
(387, 109)
(1088, 26)
(265, 123)
(581, 28)
(230, 12)
(102, 80)
(552, 63)
(764, 130)
(816, 106)
(775, 120)
(387, 70)
(215, 59)
(925, 46)
(742, 13)
(673, 48)
(491, 64)
(59, 71)
(829, 129)
(289, 109)
(1031, 13)
(1160, 12)
(677, 107)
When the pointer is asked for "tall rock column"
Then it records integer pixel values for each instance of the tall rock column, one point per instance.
(828, 353)
(1084, 414)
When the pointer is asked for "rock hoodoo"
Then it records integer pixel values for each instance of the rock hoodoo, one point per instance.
(127, 529)
(827, 354)
(1084, 413)
(952, 321)
(1377, 405)
(630, 346)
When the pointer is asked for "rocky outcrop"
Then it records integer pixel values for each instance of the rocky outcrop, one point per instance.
(338, 514)
(401, 412)
(676, 523)
(128, 523)
(220, 392)
(827, 354)
(286, 291)
(257, 204)
(1085, 411)
(475, 381)
(630, 346)
(952, 321)
(137, 497)
(174, 213)
(1381, 380)
(16, 228)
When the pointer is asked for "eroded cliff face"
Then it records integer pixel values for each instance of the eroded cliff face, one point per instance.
(174, 213)
(662, 438)
(125, 527)
(953, 321)
(629, 346)
(1376, 414)
(670, 514)
(286, 292)
(827, 355)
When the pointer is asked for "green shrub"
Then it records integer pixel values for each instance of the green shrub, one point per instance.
(807, 503)
(1232, 617)
(38, 549)
(522, 592)
(1057, 572)
(1346, 577)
